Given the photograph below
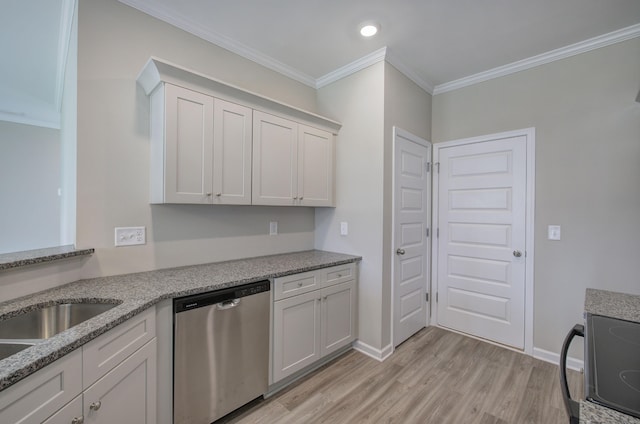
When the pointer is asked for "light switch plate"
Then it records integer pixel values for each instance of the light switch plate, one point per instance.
(554, 232)
(273, 228)
(344, 228)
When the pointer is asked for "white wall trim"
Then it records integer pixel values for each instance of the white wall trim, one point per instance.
(372, 352)
(554, 358)
(397, 63)
(64, 38)
(227, 43)
(530, 134)
(541, 59)
(351, 68)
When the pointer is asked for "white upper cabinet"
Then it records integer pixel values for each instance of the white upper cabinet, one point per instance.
(292, 163)
(213, 143)
(275, 159)
(315, 167)
(182, 151)
(231, 154)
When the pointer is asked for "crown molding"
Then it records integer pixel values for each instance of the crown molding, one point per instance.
(226, 43)
(397, 63)
(542, 59)
(353, 67)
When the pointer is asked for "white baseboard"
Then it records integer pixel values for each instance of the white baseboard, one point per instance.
(372, 352)
(554, 358)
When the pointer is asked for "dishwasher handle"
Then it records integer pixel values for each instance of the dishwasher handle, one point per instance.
(572, 406)
(227, 304)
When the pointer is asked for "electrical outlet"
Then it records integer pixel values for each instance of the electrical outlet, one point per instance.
(130, 236)
(344, 228)
(553, 232)
(273, 228)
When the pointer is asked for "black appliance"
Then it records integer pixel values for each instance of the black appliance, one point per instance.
(612, 365)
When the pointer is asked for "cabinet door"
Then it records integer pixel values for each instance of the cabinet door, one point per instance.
(44, 392)
(275, 160)
(127, 394)
(70, 414)
(296, 333)
(188, 146)
(315, 167)
(231, 154)
(338, 316)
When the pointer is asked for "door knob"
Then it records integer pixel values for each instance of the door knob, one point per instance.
(400, 251)
(95, 406)
(517, 253)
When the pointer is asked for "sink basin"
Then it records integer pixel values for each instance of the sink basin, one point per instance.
(50, 320)
(8, 349)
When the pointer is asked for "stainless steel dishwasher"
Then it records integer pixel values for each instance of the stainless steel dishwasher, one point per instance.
(221, 351)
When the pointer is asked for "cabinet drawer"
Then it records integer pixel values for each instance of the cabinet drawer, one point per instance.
(339, 274)
(292, 285)
(105, 352)
(40, 395)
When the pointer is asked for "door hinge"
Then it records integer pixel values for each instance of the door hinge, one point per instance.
(437, 232)
(428, 166)
(436, 297)
(437, 164)
(427, 232)
(427, 297)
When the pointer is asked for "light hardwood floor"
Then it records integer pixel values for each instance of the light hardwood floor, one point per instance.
(434, 377)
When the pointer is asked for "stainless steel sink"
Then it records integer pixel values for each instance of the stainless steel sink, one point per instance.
(50, 320)
(8, 349)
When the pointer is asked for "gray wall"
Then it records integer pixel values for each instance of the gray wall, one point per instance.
(115, 41)
(369, 103)
(29, 182)
(587, 171)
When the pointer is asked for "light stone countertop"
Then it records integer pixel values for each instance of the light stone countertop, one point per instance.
(140, 291)
(38, 256)
(615, 305)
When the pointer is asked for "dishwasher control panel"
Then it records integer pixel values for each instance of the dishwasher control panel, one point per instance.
(188, 303)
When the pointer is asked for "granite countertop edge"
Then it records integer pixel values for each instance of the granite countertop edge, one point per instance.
(38, 256)
(137, 292)
(616, 305)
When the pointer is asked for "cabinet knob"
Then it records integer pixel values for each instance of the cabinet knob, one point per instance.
(77, 420)
(209, 194)
(400, 252)
(295, 198)
(218, 194)
(300, 284)
(95, 406)
(301, 197)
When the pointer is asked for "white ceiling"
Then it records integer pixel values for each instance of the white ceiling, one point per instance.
(440, 44)
(434, 41)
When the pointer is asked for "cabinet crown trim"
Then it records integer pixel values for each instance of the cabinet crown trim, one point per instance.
(157, 71)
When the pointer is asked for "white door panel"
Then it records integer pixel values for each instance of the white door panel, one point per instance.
(481, 221)
(412, 195)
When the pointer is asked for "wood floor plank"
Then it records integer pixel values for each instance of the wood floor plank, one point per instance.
(436, 376)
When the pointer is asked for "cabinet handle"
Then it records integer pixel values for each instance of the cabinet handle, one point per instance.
(77, 420)
(95, 406)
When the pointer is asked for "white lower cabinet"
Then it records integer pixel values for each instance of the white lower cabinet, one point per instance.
(127, 393)
(119, 385)
(70, 414)
(308, 326)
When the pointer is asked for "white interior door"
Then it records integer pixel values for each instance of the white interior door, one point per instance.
(412, 201)
(481, 220)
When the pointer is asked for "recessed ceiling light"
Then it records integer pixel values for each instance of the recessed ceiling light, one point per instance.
(369, 29)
